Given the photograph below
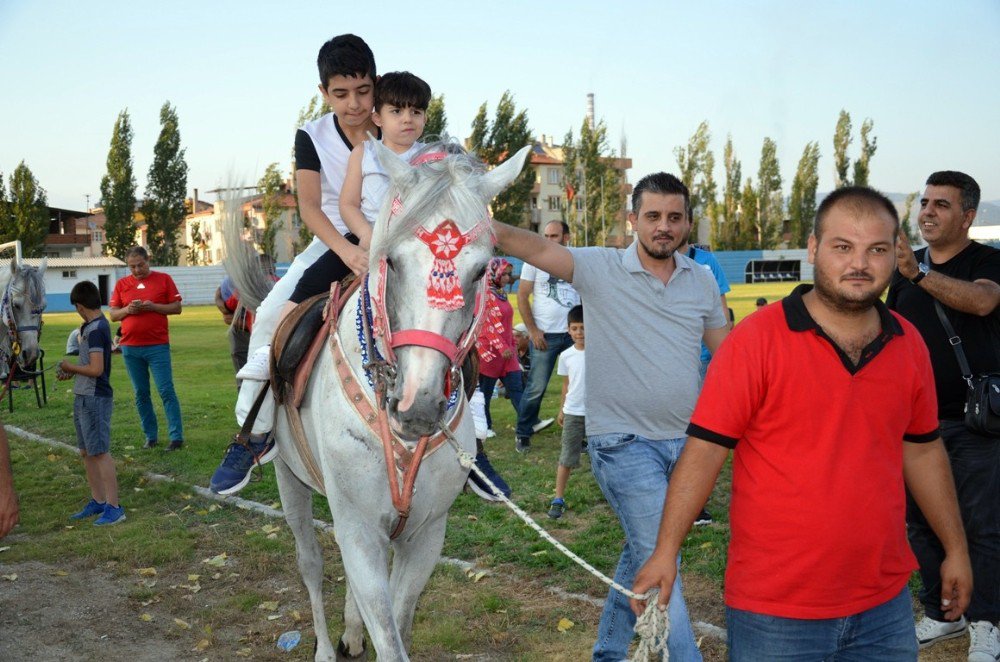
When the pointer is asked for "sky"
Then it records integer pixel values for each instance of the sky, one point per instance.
(927, 73)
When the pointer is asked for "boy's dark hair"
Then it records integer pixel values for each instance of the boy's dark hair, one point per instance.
(664, 184)
(964, 183)
(402, 90)
(861, 199)
(85, 293)
(575, 315)
(345, 55)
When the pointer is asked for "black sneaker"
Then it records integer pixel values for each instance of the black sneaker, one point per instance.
(479, 486)
(150, 443)
(523, 444)
(704, 518)
(557, 508)
(175, 445)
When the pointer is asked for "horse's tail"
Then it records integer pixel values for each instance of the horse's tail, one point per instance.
(248, 269)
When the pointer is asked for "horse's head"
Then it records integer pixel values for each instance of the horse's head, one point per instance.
(21, 307)
(430, 248)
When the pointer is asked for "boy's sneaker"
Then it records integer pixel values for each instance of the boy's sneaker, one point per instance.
(557, 508)
(258, 366)
(490, 434)
(930, 632)
(90, 510)
(542, 424)
(479, 486)
(111, 516)
(704, 518)
(175, 445)
(523, 444)
(233, 473)
(984, 642)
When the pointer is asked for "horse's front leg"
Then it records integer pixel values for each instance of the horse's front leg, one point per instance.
(352, 644)
(296, 500)
(364, 549)
(415, 558)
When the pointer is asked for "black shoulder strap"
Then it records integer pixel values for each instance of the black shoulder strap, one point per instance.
(953, 339)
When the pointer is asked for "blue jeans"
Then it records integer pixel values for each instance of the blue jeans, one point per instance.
(883, 633)
(139, 362)
(633, 472)
(543, 362)
(512, 382)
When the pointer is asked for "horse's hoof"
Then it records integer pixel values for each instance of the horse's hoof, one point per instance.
(344, 656)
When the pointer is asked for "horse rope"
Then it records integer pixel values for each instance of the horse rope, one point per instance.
(653, 626)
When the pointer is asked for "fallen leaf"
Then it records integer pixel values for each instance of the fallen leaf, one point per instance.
(184, 625)
(147, 572)
(244, 652)
(187, 507)
(51, 457)
(202, 645)
(473, 518)
(269, 605)
(201, 512)
(149, 583)
(213, 507)
(272, 536)
(193, 578)
(186, 496)
(4, 549)
(60, 573)
(479, 575)
(269, 528)
(564, 624)
(217, 561)
(216, 575)
(12, 577)
(276, 505)
(273, 617)
(146, 617)
(296, 616)
(707, 545)
(541, 553)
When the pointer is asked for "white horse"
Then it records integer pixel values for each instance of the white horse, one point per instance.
(22, 301)
(429, 253)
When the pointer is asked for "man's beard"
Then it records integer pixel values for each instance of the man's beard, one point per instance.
(656, 253)
(825, 287)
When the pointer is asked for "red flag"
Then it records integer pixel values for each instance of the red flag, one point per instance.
(570, 193)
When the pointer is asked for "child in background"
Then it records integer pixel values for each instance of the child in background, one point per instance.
(92, 405)
(572, 412)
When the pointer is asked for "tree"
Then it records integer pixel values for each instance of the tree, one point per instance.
(436, 118)
(315, 109)
(696, 163)
(802, 202)
(27, 215)
(118, 191)
(271, 189)
(498, 140)
(868, 146)
(165, 191)
(748, 212)
(589, 172)
(195, 252)
(841, 141)
(904, 221)
(770, 202)
(730, 199)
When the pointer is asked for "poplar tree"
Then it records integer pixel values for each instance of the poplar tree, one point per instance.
(841, 142)
(27, 216)
(695, 163)
(770, 201)
(589, 172)
(118, 191)
(270, 188)
(165, 191)
(904, 221)
(434, 127)
(730, 198)
(497, 141)
(802, 202)
(862, 169)
(748, 212)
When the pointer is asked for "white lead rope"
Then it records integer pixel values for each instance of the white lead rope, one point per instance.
(653, 626)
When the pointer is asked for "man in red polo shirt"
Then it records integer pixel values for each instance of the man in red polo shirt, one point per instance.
(141, 302)
(828, 402)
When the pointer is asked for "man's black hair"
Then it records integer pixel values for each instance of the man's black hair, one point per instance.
(664, 184)
(964, 183)
(85, 293)
(402, 90)
(575, 314)
(861, 199)
(345, 55)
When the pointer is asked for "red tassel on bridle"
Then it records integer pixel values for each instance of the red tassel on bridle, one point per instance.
(444, 288)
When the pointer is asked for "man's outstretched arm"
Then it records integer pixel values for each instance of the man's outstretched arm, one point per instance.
(536, 250)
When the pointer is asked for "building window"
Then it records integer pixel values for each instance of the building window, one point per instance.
(98, 236)
(579, 204)
(534, 202)
(69, 274)
(555, 203)
(554, 176)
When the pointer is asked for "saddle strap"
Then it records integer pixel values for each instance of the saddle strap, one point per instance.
(302, 446)
(244, 434)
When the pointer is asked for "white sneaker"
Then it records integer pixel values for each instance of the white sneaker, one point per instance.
(542, 424)
(490, 434)
(930, 632)
(984, 642)
(258, 366)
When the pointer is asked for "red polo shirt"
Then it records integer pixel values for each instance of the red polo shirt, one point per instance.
(818, 506)
(146, 328)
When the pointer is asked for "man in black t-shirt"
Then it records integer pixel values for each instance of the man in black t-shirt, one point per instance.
(964, 277)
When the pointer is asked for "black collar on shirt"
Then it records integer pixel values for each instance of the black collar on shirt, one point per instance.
(343, 136)
(798, 319)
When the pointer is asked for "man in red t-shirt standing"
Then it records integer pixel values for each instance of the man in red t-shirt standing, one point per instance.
(141, 302)
(828, 402)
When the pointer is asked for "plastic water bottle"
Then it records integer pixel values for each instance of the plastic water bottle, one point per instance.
(289, 640)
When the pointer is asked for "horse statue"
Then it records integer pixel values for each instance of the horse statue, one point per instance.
(21, 305)
(385, 398)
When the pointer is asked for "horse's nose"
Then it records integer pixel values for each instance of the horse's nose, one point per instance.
(421, 417)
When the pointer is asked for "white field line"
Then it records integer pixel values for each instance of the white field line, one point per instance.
(701, 628)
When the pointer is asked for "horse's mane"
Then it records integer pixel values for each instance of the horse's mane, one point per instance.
(242, 261)
(450, 181)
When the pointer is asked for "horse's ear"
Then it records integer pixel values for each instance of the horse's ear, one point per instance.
(402, 174)
(45, 263)
(500, 177)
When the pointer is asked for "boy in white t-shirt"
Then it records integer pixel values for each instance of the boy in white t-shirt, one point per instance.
(572, 411)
